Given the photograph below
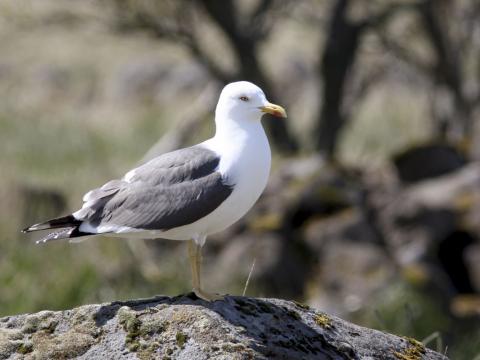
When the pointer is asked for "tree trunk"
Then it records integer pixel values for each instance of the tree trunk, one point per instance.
(338, 58)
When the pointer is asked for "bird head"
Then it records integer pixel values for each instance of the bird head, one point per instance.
(245, 101)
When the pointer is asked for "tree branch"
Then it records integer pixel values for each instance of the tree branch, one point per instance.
(447, 67)
(338, 57)
(176, 28)
(245, 45)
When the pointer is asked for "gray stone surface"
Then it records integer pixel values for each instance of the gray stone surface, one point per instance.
(187, 328)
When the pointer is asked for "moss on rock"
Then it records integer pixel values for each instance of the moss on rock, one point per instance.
(187, 328)
(414, 351)
(181, 339)
(322, 320)
(10, 341)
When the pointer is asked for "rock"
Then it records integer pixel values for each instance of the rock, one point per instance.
(427, 161)
(185, 327)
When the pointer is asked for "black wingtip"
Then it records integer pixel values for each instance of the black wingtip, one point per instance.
(61, 222)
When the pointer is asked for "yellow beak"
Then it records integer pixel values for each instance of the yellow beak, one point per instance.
(275, 110)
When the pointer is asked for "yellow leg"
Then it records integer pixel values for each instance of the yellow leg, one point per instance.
(195, 257)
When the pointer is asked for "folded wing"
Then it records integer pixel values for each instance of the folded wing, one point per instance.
(169, 191)
(172, 190)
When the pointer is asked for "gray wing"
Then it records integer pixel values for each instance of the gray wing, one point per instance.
(172, 190)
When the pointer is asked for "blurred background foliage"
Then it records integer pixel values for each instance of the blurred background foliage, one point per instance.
(373, 207)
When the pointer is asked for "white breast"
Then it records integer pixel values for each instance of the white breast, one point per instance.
(246, 165)
(245, 162)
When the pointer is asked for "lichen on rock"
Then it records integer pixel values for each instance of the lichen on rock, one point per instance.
(188, 328)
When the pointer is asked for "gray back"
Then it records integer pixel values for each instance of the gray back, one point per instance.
(169, 191)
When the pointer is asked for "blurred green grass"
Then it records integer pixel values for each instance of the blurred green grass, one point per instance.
(70, 120)
(69, 157)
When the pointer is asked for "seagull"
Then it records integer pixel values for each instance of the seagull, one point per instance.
(187, 194)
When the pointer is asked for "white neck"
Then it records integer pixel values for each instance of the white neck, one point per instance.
(232, 129)
(240, 141)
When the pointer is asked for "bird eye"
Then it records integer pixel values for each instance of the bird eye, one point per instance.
(243, 98)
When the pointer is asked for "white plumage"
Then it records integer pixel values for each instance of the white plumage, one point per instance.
(190, 193)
